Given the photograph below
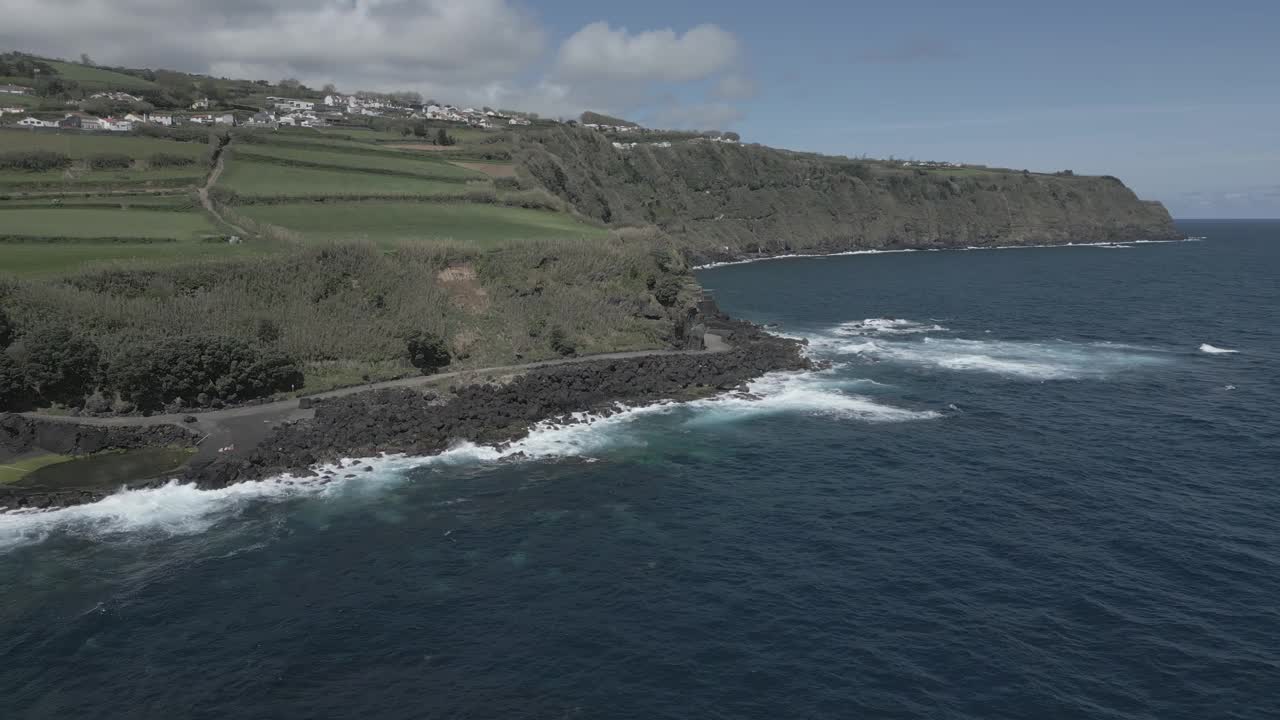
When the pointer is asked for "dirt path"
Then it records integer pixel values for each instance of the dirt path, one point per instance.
(238, 430)
(203, 192)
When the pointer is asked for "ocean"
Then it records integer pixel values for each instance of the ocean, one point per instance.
(1034, 483)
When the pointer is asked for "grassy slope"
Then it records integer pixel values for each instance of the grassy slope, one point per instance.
(92, 78)
(484, 225)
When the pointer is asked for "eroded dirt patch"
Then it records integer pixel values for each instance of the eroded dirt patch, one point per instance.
(494, 170)
(464, 286)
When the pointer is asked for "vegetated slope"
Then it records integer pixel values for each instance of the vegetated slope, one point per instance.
(726, 201)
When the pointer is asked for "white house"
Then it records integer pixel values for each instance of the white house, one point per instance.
(115, 125)
(14, 90)
(36, 122)
(166, 120)
(519, 121)
(117, 96)
(224, 119)
(11, 110)
(281, 103)
(201, 104)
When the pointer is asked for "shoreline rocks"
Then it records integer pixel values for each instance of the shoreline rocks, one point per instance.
(418, 423)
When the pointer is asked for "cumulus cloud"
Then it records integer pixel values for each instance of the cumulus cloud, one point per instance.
(599, 52)
(367, 44)
(478, 52)
(735, 86)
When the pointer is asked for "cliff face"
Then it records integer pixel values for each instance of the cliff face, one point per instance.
(725, 201)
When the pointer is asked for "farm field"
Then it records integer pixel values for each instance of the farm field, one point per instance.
(97, 223)
(41, 259)
(165, 237)
(264, 179)
(392, 222)
(75, 179)
(78, 145)
(357, 161)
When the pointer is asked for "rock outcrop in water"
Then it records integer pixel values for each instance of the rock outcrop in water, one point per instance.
(725, 201)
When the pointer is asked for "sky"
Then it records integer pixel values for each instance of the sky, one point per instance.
(1179, 99)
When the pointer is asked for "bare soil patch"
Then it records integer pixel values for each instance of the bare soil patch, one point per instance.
(495, 170)
(426, 147)
(464, 287)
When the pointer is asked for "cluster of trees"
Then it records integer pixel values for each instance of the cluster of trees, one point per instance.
(34, 160)
(441, 137)
(21, 66)
(56, 365)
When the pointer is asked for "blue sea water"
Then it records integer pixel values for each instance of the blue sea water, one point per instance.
(1031, 486)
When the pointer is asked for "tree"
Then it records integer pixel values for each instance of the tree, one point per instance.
(443, 139)
(268, 333)
(420, 129)
(427, 351)
(329, 89)
(735, 137)
(59, 366)
(85, 60)
(200, 370)
(6, 330)
(13, 387)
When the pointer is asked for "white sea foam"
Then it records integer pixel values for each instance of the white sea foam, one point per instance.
(890, 341)
(884, 326)
(794, 256)
(1212, 350)
(815, 393)
(174, 509)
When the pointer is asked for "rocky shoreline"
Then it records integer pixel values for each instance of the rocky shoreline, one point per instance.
(414, 422)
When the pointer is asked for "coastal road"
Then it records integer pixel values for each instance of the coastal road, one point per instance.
(239, 429)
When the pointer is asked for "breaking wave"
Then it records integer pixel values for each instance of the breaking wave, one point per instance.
(175, 509)
(888, 340)
(1210, 349)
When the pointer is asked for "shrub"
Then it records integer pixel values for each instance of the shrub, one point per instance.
(199, 370)
(268, 332)
(427, 351)
(667, 290)
(560, 342)
(59, 366)
(34, 160)
(165, 160)
(110, 161)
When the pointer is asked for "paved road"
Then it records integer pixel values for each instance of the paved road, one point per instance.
(239, 429)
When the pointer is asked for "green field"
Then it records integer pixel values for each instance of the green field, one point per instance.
(38, 259)
(92, 78)
(398, 163)
(180, 202)
(27, 101)
(77, 145)
(394, 222)
(13, 182)
(98, 223)
(272, 180)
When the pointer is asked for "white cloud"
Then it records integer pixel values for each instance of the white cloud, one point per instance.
(475, 52)
(599, 52)
(735, 86)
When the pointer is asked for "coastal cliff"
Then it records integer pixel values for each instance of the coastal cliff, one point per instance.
(725, 201)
